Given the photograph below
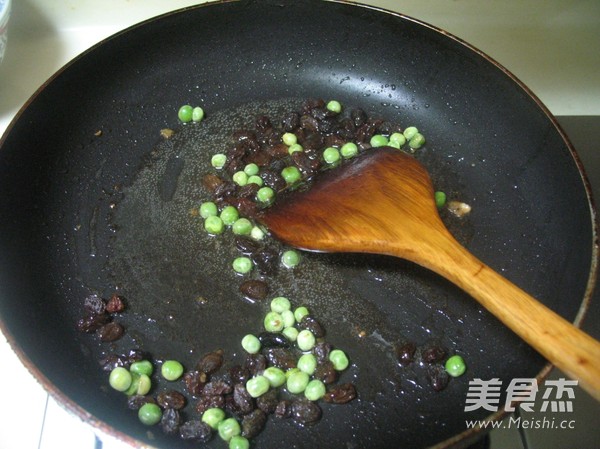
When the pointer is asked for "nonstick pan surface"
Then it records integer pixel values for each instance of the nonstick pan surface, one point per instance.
(93, 200)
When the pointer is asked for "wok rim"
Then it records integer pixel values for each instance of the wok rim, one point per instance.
(466, 437)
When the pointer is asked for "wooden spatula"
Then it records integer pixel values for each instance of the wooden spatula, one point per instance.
(383, 203)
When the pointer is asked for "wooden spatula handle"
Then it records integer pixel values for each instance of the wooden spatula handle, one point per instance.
(560, 342)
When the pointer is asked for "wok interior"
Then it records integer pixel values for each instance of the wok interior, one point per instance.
(487, 139)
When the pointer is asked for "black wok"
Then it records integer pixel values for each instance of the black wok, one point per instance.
(87, 206)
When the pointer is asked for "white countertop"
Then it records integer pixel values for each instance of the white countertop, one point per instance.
(553, 46)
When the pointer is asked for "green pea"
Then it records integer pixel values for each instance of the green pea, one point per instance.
(339, 359)
(144, 385)
(239, 442)
(214, 225)
(294, 148)
(133, 387)
(142, 367)
(240, 178)
(218, 160)
(315, 390)
(417, 141)
(440, 198)
(291, 333)
(140, 385)
(242, 265)
(185, 113)
(228, 428)
(291, 174)
(455, 366)
(213, 416)
(300, 313)
(306, 340)
(334, 106)
(257, 233)
(251, 344)
(297, 382)
(229, 215)
(273, 322)
(280, 304)
(397, 140)
(290, 258)
(410, 132)
(197, 114)
(251, 169)
(288, 318)
(265, 194)
(291, 371)
(275, 376)
(289, 139)
(242, 226)
(120, 378)
(257, 386)
(307, 363)
(255, 179)
(331, 155)
(150, 414)
(378, 140)
(349, 149)
(171, 370)
(208, 209)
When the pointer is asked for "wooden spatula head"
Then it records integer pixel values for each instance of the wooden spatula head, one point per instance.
(384, 197)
